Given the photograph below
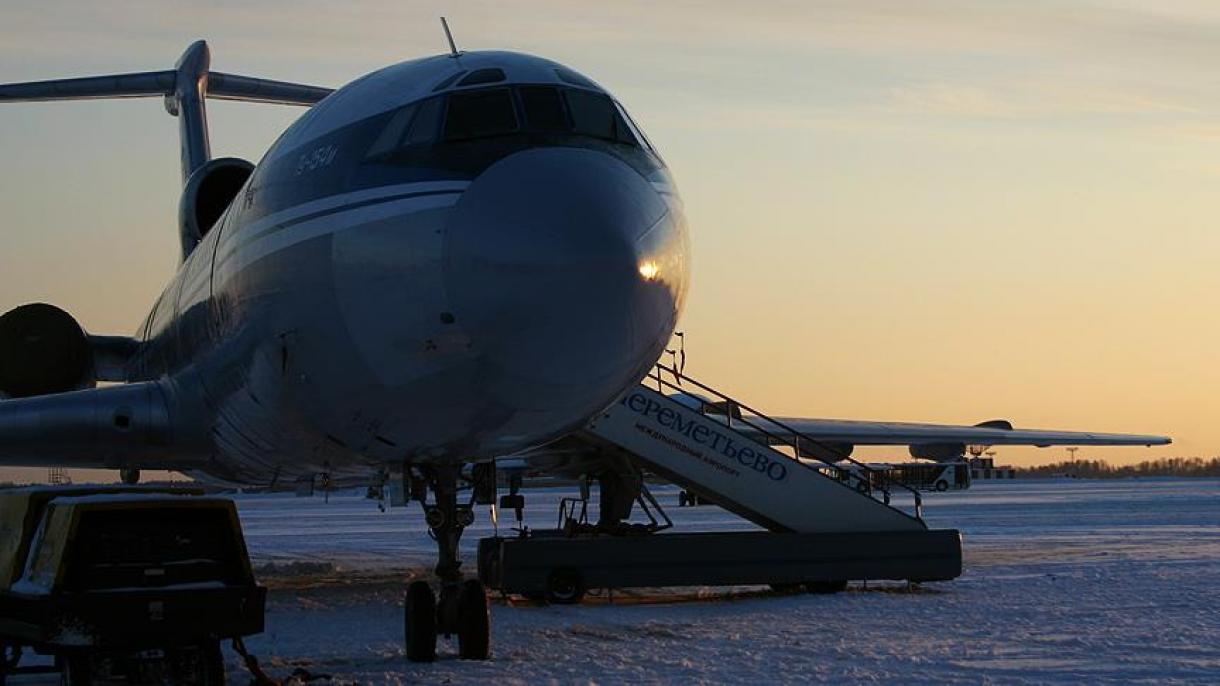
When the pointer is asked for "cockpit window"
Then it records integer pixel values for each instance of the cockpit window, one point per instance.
(480, 113)
(639, 135)
(427, 121)
(387, 141)
(592, 114)
(480, 76)
(543, 108)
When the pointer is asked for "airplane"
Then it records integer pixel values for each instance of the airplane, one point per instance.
(451, 259)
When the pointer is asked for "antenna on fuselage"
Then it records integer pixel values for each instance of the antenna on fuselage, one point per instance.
(453, 51)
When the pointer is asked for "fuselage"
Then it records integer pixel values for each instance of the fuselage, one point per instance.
(448, 259)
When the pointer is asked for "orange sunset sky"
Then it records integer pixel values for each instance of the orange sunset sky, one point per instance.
(941, 211)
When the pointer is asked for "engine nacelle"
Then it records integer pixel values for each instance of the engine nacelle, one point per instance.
(208, 193)
(43, 350)
(938, 452)
(826, 451)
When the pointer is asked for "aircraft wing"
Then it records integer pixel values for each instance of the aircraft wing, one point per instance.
(997, 432)
(934, 441)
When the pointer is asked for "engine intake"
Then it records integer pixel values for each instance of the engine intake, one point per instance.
(208, 193)
(43, 350)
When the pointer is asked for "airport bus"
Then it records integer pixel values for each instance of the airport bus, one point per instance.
(922, 476)
(931, 476)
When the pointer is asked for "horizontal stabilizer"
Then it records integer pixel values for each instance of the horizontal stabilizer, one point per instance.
(251, 89)
(142, 84)
(155, 83)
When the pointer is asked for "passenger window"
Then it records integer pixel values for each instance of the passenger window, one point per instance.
(426, 122)
(480, 113)
(592, 114)
(387, 142)
(543, 108)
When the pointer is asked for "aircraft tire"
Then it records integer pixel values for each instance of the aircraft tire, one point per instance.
(420, 623)
(474, 622)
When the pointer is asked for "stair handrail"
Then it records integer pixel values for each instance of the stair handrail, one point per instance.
(679, 377)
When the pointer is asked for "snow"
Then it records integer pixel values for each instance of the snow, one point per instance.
(1065, 582)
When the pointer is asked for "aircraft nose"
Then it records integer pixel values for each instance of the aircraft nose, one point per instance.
(567, 270)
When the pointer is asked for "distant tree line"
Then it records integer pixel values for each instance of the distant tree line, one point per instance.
(1100, 469)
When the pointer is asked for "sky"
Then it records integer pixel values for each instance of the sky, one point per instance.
(942, 211)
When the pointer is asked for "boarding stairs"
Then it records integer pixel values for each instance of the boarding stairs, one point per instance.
(735, 456)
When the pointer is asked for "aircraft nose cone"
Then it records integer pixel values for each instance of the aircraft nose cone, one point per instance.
(567, 269)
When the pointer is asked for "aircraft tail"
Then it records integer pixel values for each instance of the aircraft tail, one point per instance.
(185, 87)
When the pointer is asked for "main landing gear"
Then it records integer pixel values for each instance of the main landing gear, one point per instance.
(461, 606)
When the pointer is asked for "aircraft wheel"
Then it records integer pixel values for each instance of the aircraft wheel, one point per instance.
(564, 587)
(681, 498)
(825, 587)
(474, 622)
(420, 623)
(942, 485)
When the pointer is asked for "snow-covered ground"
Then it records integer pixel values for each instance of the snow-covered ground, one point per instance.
(1065, 581)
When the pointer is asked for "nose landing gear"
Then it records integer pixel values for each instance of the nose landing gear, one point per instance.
(461, 607)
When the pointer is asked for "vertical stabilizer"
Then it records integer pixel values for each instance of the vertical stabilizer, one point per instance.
(186, 102)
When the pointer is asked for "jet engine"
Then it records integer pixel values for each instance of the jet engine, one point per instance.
(43, 350)
(826, 451)
(938, 452)
(208, 193)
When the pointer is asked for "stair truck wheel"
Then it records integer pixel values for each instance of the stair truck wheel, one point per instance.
(420, 623)
(474, 622)
(564, 587)
(942, 485)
